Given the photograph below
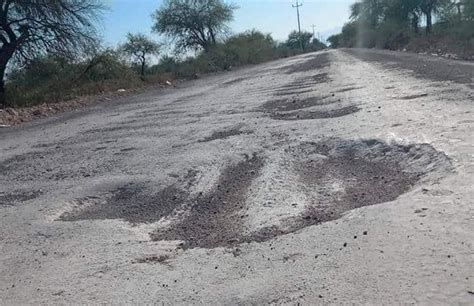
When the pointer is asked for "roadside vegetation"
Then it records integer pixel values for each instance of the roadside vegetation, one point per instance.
(50, 50)
(433, 26)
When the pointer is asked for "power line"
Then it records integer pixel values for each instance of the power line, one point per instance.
(298, 5)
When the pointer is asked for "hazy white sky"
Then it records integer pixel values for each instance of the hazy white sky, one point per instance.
(270, 16)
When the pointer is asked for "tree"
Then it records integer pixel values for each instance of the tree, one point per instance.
(296, 40)
(139, 47)
(335, 40)
(29, 28)
(193, 24)
(430, 7)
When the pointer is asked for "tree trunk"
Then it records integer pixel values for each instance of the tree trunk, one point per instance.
(429, 22)
(143, 68)
(3, 99)
(6, 53)
(415, 23)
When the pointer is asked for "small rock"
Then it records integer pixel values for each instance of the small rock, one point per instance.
(345, 244)
(365, 233)
(121, 90)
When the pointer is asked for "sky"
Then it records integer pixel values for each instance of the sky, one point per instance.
(269, 16)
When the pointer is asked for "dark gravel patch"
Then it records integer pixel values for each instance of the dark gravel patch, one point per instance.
(18, 196)
(424, 67)
(134, 203)
(215, 218)
(319, 61)
(224, 134)
(307, 115)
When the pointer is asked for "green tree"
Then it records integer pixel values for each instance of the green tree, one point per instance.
(193, 24)
(430, 7)
(139, 47)
(296, 40)
(29, 28)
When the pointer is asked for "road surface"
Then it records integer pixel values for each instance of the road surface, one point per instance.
(334, 177)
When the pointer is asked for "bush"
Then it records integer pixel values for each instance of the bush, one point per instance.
(53, 79)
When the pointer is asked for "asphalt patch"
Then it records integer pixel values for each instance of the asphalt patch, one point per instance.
(215, 219)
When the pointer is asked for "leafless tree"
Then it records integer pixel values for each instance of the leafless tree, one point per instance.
(29, 28)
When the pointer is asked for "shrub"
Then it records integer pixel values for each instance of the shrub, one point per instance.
(52, 79)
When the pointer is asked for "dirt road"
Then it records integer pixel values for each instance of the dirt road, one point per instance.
(333, 177)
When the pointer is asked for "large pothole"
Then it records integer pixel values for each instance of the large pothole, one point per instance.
(332, 176)
(341, 175)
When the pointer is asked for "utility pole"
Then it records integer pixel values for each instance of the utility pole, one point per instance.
(313, 26)
(298, 5)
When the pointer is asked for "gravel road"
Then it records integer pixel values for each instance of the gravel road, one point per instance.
(343, 176)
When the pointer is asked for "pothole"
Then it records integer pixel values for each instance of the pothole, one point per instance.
(315, 114)
(216, 218)
(340, 175)
(18, 196)
(321, 78)
(318, 62)
(332, 176)
(224, 134)
(348, 89)
(299, 91)
(285, 105)
(135, 203)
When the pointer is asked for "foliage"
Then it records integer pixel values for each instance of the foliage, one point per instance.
(193, 25)
(139, 47)
(53, 79)
(31, 28)
(394, 24)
